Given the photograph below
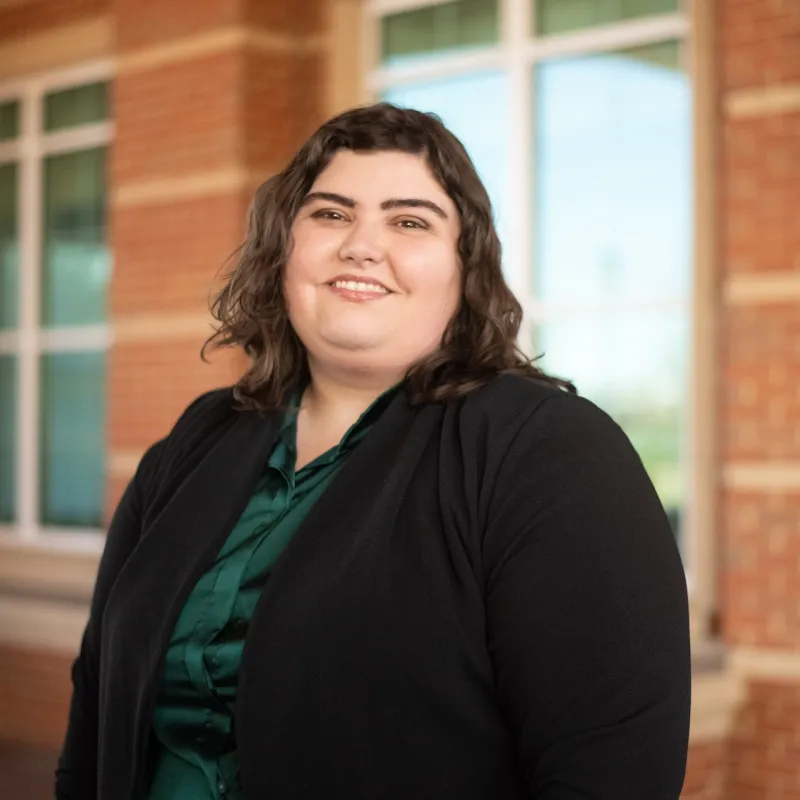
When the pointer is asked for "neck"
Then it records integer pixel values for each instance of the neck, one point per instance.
(335, 393)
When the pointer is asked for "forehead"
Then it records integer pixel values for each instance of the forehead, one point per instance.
(378, 175)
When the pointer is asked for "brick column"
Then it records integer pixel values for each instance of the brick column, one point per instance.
(210, 98)
(760, 380)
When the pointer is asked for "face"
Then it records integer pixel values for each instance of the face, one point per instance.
(373, 277)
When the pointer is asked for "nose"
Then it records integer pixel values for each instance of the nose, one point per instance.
(363, 244)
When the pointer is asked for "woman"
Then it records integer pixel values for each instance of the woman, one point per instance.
(396, 560)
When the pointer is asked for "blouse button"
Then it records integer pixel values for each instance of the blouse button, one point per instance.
(222, 787)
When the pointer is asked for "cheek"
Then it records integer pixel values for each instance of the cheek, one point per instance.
(434, 273)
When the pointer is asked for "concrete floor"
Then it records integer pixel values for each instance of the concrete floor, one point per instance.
(26, 773)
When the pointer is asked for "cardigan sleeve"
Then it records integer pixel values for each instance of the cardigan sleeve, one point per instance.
(76, 773)
(587, 612)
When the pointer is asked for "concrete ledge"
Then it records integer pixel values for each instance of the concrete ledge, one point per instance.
(763, 101)
(42, 624)
(58, 47)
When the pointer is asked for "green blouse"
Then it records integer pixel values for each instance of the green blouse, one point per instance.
(193, 720)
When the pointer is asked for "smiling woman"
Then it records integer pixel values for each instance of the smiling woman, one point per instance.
(372, 280)
(396, 560)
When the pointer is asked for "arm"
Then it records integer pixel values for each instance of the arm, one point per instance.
(76, 774)
(587, 612)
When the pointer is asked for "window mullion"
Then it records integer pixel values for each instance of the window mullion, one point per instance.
(30, 265)
(515, 32)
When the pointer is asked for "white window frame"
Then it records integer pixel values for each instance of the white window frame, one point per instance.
(29, 341)
(517, 53)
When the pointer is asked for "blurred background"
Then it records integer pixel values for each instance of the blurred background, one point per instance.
(643, 158)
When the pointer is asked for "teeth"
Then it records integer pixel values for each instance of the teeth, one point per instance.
(360, 286)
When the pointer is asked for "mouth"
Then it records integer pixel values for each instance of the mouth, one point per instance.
(351, 286)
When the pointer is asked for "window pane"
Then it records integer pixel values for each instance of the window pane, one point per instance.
(613, 177)
(72, 455)
(438, 29)
(9, 120)
(482, 129)
(8, 433)
(77, 106)
(9, 249)
(559, 16)
(76, 260)
(634, 365)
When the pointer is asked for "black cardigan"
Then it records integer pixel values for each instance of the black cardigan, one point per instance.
(487, 603)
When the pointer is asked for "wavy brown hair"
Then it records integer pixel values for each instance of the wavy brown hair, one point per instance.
(480, 340)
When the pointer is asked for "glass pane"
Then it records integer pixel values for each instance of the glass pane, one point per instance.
(76, 106)
(72, 454)
(8, 434)
(635, 366)
(9, 248)
(9, 120)
(483, 129)
(613, 177)
(559, 16)
(442, 28)
(76, 261)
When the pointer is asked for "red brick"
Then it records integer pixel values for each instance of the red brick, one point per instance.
(152, 383)
(760, 192)
(35, 691)
(761, 569)
(283, 16)
(765, 752)
(760, 42)
(705, 772)
(169, 255)
(178, 119)
(282, 105)
(760, 407)
(35, 16)
(147, 23)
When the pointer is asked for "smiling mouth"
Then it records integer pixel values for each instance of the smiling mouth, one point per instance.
(359, 287)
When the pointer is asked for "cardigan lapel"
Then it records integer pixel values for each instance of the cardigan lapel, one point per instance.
(177, 548)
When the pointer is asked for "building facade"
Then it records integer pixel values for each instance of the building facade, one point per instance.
(643, 157)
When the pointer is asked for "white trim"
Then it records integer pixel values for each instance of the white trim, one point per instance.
(97, 134)
(101, 69)
(383, 8)
(763, 662)
(716, 698)
(763, 287)
(440, 66)
(619, 36)
(762, 476)
(41, 537)
(85, 338)
(29, 285)
(44, 624)
(30, 340)
(515, 21)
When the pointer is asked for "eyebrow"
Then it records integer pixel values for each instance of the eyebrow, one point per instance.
(393, 202)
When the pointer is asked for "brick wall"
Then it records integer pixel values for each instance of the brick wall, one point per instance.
(759, 264)
(34, 695)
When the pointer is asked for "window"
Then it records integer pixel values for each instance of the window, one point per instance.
(577, 114)
(54, 276)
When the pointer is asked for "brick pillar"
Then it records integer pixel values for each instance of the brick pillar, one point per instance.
(210, 98)
(760, 400)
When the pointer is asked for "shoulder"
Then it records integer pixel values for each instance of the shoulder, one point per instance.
(198, 423)
(520, 412)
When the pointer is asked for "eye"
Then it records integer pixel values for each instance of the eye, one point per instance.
(328, 213)
(411, 224)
